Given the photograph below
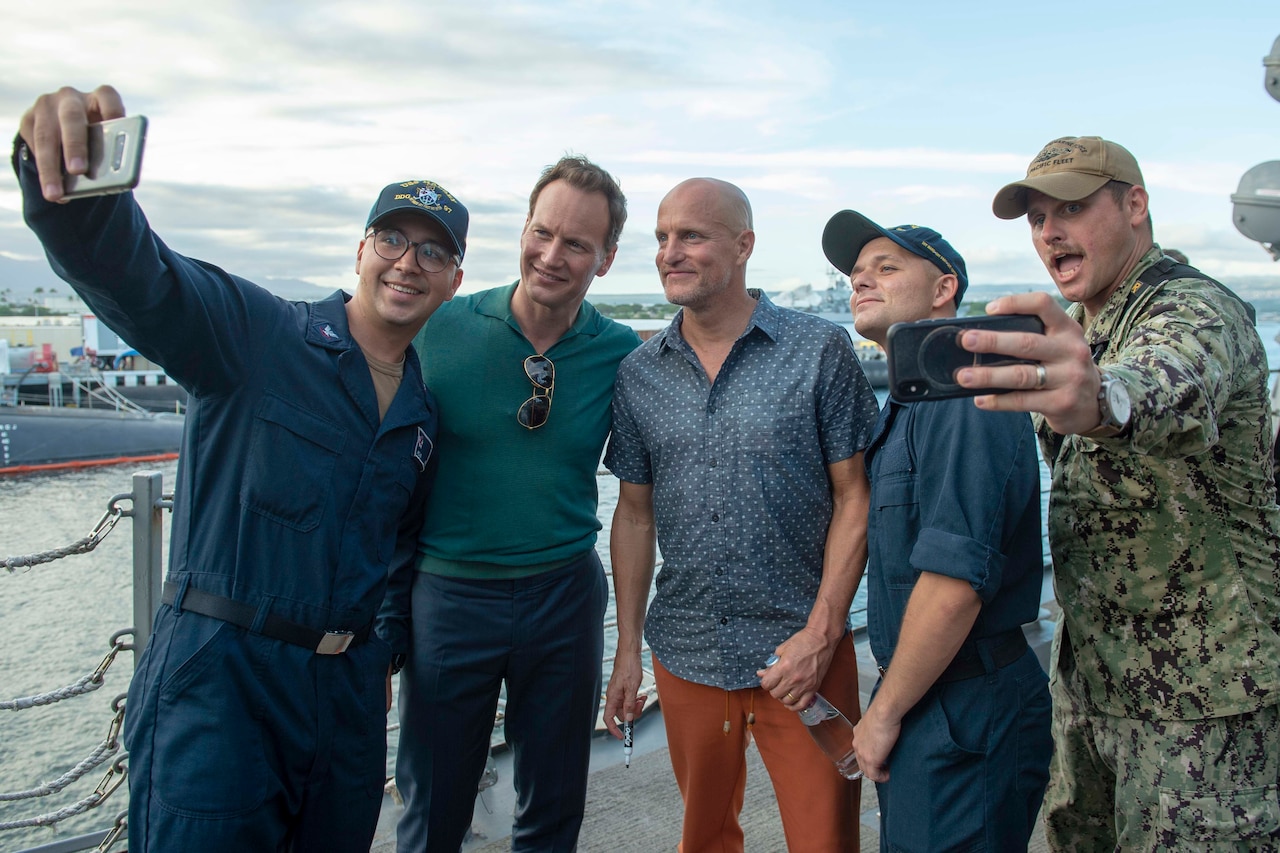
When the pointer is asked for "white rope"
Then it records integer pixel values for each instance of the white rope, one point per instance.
(81, 546)
(84, 684)
(114, 778)
(109, 745)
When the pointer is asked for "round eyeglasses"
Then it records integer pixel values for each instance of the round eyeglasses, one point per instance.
(542, 373)
(391, 245)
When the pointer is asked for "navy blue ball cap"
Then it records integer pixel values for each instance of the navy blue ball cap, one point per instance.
(849, 231)
(425, 197)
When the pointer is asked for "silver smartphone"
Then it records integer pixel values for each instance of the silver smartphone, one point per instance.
(115, 158)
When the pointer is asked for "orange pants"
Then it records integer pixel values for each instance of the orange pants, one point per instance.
(819, 807)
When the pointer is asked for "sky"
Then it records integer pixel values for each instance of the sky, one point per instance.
(274, 123)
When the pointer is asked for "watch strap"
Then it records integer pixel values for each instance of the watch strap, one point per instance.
(1109, 426)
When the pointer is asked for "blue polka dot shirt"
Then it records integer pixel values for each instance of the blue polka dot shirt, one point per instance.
(741, 494)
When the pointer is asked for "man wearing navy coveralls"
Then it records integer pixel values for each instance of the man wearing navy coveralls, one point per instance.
(256, 719)
(956, 736)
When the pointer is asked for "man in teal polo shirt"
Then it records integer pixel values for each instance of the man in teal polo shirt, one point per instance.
(509, 587)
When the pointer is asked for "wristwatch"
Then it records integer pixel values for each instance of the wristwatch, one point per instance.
(1114, 406)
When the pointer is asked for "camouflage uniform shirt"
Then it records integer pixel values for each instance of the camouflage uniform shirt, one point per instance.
(1165, 540)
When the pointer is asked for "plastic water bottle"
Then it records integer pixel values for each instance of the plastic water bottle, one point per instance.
(833, 733)
(830, 730)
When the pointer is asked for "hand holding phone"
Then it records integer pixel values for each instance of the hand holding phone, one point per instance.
(115, 158)
(925, 355)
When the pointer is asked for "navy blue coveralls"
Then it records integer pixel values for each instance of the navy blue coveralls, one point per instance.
(955, 491)
(291, 499)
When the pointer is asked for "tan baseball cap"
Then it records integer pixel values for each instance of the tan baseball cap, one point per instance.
(1069, 169)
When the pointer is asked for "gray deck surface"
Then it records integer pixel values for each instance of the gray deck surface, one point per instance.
(638, 809)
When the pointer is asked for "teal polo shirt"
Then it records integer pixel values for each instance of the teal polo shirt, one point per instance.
(511, 502)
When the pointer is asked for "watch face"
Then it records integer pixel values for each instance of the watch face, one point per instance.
(1118, 402)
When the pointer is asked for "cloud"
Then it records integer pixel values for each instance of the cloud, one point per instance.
(919, 194)
(275, 122)
(847, 158)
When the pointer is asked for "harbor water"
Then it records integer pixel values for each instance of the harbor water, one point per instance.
(59, 618)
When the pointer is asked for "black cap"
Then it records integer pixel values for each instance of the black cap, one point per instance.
(849, 231)
(425, 197)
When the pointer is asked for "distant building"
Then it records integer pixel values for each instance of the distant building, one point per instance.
(62, 332)
(59, 304)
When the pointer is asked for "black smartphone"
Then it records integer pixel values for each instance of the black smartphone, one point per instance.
(115, 158)
(925, 355)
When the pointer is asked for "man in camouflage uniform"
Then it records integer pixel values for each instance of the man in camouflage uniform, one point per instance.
(1151, 402)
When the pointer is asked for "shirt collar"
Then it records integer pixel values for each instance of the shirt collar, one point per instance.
(327, 324)
(496, 303)
(766, 317)
(327, 327)
(1113, 309)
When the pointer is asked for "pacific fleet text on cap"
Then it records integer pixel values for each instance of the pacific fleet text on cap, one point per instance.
(1069, 169)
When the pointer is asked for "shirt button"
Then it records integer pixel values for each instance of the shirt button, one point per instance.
(719, 572)
(715, 516)
(713, 463)
(724, 620)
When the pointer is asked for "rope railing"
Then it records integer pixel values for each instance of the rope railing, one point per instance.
(85, 684)
(147, 502)
(110, 744)
(110, 782)
(81, 546)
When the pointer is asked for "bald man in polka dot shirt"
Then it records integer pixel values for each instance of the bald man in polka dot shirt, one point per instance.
(738, 434)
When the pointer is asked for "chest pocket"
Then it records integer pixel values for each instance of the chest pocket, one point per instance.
(895, 508)
(289, 472)
(893, 473)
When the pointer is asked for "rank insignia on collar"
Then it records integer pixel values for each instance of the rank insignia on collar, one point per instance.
(422, 450)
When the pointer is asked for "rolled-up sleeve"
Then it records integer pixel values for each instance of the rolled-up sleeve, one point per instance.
(974, 481)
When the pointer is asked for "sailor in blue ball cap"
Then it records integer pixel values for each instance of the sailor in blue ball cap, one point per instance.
(256, 719)
(849, 231)
(958, 725)
(428, 199)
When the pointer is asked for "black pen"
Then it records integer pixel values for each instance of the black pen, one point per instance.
(628, 739)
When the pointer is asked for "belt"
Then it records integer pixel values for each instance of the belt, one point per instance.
(276, 627)
(1004, 649)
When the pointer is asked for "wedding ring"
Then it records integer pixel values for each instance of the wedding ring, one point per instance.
(1040, 377)
(789, 696)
